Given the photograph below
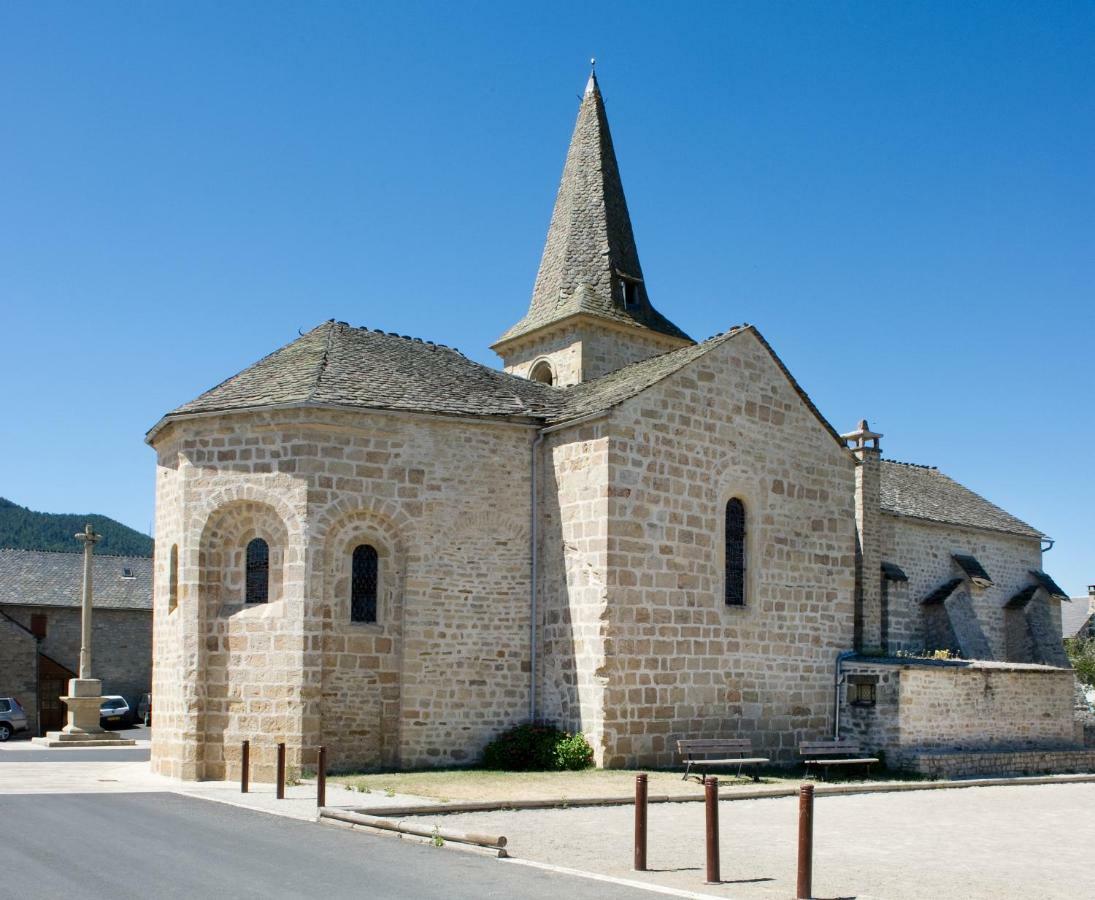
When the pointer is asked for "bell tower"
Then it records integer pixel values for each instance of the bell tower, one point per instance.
(590, 312)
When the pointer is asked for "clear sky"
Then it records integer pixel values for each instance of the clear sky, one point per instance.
(900, 196)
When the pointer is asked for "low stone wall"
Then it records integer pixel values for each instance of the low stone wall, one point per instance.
(986, 713)
(969, 763)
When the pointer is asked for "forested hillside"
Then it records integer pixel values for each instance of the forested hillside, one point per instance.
(25, 529)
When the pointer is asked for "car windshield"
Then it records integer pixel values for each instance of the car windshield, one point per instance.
(113, 704)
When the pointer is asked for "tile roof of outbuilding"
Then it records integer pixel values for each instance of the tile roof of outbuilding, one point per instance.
(48, 578)
(922, 492)
(1074, 615)
(590, 242)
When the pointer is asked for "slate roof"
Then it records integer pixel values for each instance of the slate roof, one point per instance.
(971, 565)
(1074, 615)
(1051, 586)
(922, 492)
(337, 364)
(590, 242)
(46, 578)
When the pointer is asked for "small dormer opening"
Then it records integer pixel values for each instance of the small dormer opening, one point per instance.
(629, 291)
(128, 573)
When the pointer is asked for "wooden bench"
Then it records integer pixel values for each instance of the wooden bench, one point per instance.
(704, 753)
(834, 753)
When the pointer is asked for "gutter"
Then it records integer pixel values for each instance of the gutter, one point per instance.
(534, 515)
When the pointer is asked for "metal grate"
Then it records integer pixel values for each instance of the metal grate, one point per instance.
(363, 584)
(258, 571)
(735, 553)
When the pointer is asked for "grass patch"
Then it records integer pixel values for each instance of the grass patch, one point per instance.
(459, 785)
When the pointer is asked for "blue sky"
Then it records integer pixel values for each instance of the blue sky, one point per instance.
(900, 196)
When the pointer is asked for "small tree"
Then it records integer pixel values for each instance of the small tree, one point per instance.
(1081, 653)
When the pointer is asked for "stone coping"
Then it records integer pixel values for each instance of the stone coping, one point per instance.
(918, 662)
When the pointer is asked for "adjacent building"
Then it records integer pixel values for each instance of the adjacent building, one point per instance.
(40, 596)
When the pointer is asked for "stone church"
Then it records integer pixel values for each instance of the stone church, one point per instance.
(368, 541)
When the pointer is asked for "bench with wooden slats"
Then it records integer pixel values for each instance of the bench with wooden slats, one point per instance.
(834, 753)
(705, 753)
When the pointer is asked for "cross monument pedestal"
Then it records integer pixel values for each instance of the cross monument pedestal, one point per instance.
(85, 694)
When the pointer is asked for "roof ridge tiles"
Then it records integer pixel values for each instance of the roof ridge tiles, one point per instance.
(911, 465)
(73, 553)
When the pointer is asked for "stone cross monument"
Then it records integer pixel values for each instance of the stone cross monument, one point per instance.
(85, 694)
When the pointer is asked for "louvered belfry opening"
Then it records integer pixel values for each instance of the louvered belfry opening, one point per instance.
(363, 584)
(258, 571)
(735, 553)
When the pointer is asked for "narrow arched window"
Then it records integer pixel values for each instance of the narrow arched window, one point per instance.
(173, 578)
(258, 571)
(363, 584)
(735, 553)
(542, 372)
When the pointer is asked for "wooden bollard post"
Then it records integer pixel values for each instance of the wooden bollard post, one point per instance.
(640, 822)
(281, 771)
(711, 803)
(245, 766)
(805, 842)
(321, 778)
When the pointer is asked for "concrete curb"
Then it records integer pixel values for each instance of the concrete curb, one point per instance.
(820, 789)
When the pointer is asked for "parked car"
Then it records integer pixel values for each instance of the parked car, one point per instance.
(115, 711)
(12, 717)
(144, 709)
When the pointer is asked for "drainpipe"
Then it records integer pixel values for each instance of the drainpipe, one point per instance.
(838, 680)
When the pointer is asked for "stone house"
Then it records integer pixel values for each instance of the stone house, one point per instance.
(40, 596)
(1078, 618)
(369, 541)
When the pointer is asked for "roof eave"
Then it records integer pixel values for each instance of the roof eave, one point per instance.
(509, 338)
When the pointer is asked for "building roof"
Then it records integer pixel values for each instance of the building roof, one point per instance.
(923, 492)
(47, 578)
(590, 244)
(336, 364)
(1075, 615)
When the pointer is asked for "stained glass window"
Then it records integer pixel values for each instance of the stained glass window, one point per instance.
(363, 584)
(258, 572)
(735, 553)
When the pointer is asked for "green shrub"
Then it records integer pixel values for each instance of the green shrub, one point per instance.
(1081, 653)
(573, 753)
(530, 748)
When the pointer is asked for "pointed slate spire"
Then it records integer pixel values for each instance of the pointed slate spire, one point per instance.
(590, 263)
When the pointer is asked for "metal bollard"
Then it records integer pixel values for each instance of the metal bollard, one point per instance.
(281, 771)
(711, 802)
(640, 822)
(321, 778)
(245, 766)
(805, 842)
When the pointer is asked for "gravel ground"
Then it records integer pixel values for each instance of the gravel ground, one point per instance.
(997, 842)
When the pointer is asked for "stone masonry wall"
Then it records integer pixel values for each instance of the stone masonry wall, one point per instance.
(121, 644)
(19, 669)
(446, 666)
(574, 597)
(679, 661)
(976, 615)
(582, 351)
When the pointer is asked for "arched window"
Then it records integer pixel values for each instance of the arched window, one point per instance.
(542, 372)
(363, 584)
(735, 553)
(258, 571)
(173, 578)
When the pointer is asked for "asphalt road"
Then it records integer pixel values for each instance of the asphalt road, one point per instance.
(52, 754)
(163, 845)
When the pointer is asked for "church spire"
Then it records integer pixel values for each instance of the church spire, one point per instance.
(590, 263)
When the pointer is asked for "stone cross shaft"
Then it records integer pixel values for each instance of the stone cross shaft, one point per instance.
(88, 538)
